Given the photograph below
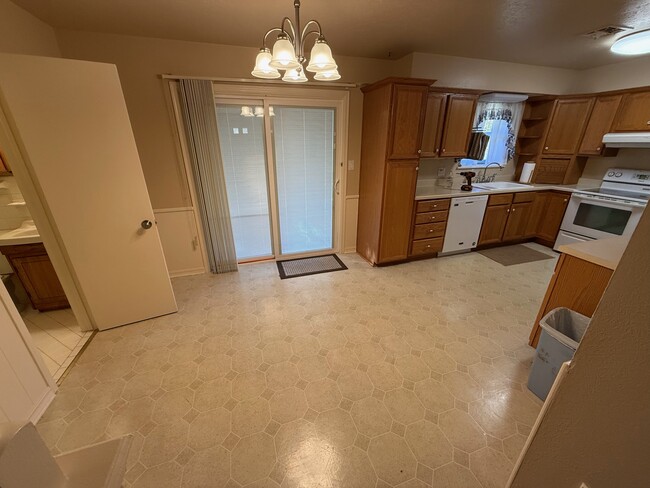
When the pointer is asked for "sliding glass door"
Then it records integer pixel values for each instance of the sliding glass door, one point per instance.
(280, 171)
(303, 142)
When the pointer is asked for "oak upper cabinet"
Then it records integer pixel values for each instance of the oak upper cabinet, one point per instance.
(551, 219)
(434, 121)
(458, 125)
(634, 113)
(600, 123)
(407, 121)
(567, 125)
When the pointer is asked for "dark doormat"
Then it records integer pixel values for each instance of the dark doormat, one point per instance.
(509, 255)
(292, 268)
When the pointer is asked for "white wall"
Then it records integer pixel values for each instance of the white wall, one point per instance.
(22, 33)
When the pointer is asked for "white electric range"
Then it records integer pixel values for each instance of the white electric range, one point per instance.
(614, 209)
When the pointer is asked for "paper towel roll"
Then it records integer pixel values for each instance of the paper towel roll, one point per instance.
(527, 172)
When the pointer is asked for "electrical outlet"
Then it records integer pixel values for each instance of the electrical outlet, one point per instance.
(441, 172)
(583, 485)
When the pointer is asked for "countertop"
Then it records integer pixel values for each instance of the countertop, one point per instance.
(603, 252)
(25, 234)
(428, 189)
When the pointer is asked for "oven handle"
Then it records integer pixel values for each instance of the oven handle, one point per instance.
(582, 196)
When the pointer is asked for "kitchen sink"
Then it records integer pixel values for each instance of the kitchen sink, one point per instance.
(500, 185)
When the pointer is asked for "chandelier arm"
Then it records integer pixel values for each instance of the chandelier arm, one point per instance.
(270, 31)
(309, 24)
(292, 35)
(306, 34)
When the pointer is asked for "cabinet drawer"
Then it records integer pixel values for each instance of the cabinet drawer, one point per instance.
(432, 205)
(429, 217)
(426, 246)
(502, 199)
(524, 196)
(425, 231)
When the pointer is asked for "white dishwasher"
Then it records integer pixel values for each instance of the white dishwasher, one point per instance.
(464, 224)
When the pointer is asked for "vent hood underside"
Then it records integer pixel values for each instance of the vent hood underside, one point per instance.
(627, 139)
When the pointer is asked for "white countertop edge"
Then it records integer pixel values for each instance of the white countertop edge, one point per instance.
(440, 192)
(603, 252)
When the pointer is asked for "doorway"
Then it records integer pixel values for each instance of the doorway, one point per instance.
(281, 175)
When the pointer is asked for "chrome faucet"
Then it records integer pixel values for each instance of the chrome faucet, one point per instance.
(484, 179)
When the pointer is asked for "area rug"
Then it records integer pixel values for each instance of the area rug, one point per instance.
(293, 268)
(510, 255)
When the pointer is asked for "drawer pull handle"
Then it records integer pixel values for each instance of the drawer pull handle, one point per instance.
(430, 230)
(428, 246)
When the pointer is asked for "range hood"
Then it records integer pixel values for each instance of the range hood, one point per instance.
(627, 139)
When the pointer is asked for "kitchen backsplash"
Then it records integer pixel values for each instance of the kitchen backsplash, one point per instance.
(627, 158)
(429, 171)
(13, 210)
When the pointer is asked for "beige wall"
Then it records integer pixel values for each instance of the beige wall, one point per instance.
(632, 158)
(626, 74)
(140, 61)
(597, 429)
(22, 33)
(492, 75)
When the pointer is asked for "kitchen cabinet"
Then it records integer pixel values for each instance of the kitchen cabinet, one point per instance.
(458, 125)
(555, 204)
(5, 169)
(634, 113)
(600, 123)
(434, 121)
(521, 212)
(407, 120)
(429, 225)
(393, 117)
(566, 126)
(32, 265)
(495, 219)
(576, 284)
(401, 178)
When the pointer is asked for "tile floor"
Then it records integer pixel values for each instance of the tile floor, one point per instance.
(411, 376)
(57, 336)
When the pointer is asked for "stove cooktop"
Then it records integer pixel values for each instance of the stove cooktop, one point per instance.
(611, 192)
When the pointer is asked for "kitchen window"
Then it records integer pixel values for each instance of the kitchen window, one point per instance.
(498, 117)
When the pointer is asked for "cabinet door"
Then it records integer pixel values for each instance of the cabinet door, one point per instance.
(4, 165)
(536, 212)
(494, 223)
(600, 123)
(567, 125)
(458, 125)
(397, 211)
(520, 214)
(551, 219)
(434, 120)
(634, 113)
(551, 170)
(37, 275)
(407, 119)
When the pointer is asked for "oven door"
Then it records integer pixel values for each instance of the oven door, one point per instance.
(597, 218)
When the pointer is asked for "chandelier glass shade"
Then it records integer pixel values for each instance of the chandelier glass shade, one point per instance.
(288, 53)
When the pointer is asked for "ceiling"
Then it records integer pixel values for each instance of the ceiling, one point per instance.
(540, 32)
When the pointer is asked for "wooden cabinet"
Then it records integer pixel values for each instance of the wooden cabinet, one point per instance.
(458, 125)
(434, 121)
(516, 228)
(551, 170)
(32, 265)
(5, 169)
(429, 225)
(576, 284)
(567, 125)
(401, 178)
(600, 123)
(495, 219)
(555, 204)
(407, 119)
(393, 116)
(634, 113)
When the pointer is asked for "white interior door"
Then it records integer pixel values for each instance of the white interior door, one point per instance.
(70, 121)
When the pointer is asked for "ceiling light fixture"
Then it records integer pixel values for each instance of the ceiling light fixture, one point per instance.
(635, 43)
(288, 53)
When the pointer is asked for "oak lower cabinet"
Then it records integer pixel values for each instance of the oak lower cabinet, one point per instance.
(554, 205)
(34, 269)
(494, 224)
(429, 225)
(576, 284)
(634, 113)
(516, 227)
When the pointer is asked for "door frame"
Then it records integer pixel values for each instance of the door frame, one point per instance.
(37, 205)
(338, 98)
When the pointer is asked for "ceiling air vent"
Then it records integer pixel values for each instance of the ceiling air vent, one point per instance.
(606, 31)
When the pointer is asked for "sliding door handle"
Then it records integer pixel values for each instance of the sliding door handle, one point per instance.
(336, 186)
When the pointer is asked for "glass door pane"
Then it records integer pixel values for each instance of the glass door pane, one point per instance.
(241, 138)
(303, 141)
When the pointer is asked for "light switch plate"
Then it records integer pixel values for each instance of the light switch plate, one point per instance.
(350, 164)
(441, 172)
(583, 485)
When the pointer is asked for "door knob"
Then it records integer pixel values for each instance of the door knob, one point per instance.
(146, 224)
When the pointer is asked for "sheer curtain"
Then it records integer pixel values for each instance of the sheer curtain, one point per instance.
(200, 122)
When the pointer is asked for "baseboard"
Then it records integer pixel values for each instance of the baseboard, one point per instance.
(186, 272)
(42, 405)
(349, 250)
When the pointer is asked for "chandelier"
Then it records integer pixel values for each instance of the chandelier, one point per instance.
(289, 53)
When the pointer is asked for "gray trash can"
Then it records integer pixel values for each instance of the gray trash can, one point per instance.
(562, 330)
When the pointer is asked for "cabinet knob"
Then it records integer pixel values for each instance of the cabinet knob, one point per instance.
(443, 149)
(419, 151)
(514, 209)
(428, 246)
(417, 168)
(508, 210)
(437, 149)
(565, 200)
(597, 149)
(648, 122)
(430, 231)
(546, 148)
